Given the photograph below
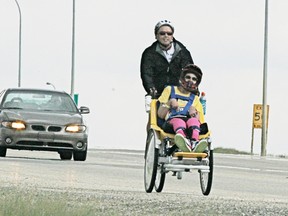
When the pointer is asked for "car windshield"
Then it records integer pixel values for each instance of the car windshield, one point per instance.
(39, 100)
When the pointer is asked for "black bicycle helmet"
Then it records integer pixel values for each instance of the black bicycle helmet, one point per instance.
(190, 86)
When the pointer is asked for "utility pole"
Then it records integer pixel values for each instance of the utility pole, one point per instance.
(264, 103)
(20, 33)
(73, 51)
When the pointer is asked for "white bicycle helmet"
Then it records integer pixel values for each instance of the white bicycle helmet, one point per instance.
(163, 23)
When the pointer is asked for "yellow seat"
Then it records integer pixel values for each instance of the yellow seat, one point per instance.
(161, 133)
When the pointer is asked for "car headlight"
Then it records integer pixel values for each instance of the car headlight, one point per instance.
(75, 128)
(18, 125)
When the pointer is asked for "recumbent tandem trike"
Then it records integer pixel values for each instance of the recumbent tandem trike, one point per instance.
(159, 160)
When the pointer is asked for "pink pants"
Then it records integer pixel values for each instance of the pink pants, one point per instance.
(181, 126)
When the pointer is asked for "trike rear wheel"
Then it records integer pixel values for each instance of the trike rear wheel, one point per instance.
(207, 177)
(151, 161)
(160, 179)
(161, 174)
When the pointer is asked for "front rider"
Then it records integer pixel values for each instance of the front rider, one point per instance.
(180, 106)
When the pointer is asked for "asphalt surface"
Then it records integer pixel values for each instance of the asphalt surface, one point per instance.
(242, 185)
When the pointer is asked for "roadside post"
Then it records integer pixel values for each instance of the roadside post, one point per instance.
(257, 121)
(76, 96)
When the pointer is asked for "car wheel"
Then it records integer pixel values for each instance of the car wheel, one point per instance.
(80, 155)
(3, 151)
(65, 155)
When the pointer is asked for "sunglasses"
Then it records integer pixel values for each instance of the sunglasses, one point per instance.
(164, 33)
(193, 78)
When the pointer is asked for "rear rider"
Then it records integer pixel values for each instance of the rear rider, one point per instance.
(162, 62)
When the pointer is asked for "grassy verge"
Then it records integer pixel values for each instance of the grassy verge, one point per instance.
(229, 151)
(32, 202)
(234, 151)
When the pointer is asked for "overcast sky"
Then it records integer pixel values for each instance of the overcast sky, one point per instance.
(225, 38)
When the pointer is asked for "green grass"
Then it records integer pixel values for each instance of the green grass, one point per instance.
(235, 151)
(15, 202)
(229, 151)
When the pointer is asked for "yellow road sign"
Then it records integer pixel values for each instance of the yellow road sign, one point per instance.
(257, 115)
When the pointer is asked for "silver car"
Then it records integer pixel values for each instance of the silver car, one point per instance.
(45, 120)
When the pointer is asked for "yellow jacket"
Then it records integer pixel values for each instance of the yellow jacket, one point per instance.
(165, 96)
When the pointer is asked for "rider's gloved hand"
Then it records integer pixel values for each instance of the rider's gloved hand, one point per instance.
(153, 91)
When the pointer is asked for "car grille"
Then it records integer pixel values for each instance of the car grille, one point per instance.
(54, 129)
(38, 127)
(49, 128)
(46, 137)
(46, 144)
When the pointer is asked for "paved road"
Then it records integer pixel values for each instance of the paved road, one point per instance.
(242, 185)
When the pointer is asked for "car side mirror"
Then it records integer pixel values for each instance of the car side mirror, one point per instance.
(84, 110)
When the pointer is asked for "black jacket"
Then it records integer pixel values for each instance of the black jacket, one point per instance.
(157, 72)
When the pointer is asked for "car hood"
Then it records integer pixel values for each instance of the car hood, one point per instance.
(33, 117)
